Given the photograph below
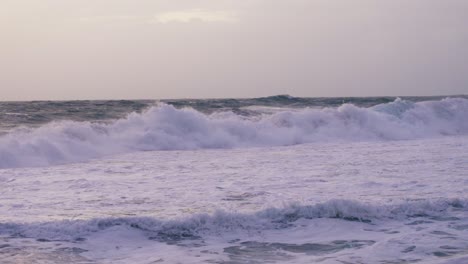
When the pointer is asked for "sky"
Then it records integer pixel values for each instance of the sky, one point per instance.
(156, 49)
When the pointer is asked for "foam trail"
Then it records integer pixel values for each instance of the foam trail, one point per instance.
(167, 128)
(225, 222)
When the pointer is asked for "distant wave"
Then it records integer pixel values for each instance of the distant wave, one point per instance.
(225, 222)
(165, 127)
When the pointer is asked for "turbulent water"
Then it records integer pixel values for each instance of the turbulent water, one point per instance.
(266, 180)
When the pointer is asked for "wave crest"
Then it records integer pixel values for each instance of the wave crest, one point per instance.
(166, 128)
(225, 222)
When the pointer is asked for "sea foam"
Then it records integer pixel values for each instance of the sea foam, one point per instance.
(165, 127)
(226, 222)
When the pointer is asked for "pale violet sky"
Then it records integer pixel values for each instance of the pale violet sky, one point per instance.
(137, 49)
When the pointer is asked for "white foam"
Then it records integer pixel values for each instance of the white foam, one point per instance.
(275, 204)
(167, 128)
(225, 222)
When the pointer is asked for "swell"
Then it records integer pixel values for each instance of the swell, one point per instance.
(224, 222)
(164, 127)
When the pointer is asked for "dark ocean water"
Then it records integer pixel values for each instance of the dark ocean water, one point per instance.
(37, 113)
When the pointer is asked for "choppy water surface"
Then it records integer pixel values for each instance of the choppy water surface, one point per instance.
(266, 180)
(36, 113)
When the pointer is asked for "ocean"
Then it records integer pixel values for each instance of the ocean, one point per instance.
(277, 179)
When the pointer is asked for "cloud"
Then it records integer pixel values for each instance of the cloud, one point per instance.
(195, 15)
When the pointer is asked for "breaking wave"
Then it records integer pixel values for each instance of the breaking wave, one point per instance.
(224, 222)
(165, 127)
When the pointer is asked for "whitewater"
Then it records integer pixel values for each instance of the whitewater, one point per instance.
(266, 180)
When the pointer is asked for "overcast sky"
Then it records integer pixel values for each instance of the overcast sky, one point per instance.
(154, 49)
